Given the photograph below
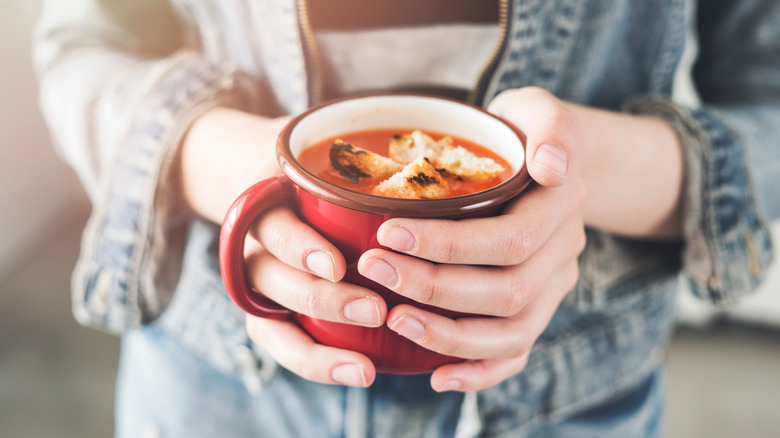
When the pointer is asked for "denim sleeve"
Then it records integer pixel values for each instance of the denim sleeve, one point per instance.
(731, 148)
(117, 101)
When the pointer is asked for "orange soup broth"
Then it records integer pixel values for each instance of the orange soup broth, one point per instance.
(316, 159)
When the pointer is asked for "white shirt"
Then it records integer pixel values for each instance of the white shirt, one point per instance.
(451, 55)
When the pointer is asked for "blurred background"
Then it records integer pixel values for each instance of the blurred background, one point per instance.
(57, 378)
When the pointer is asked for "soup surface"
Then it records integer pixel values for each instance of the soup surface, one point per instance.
(316, 159)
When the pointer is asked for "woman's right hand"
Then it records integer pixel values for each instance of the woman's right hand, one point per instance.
(224, 152)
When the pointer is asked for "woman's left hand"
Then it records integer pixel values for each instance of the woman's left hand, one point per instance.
(515, 268)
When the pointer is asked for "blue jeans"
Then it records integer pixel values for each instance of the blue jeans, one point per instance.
(637, 413)
(165, 391)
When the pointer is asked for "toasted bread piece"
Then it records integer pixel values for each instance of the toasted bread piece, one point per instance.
(407, 147)
(456, 160)
(463, 163)
(354, 163)
(418, 180)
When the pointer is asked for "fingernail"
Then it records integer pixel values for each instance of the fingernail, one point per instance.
(349, 374)
(362, 311)
(552, 158)
(397, 238)
(379, 271)
(321, 264)
(409, 327)
(451, 385)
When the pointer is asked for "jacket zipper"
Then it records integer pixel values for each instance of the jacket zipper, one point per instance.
(477, 92)
(315, 88)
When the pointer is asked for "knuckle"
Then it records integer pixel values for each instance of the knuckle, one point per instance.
(510, 94)
(519, 346)
(451, 345)
(277, 238)
(510, 304)
(311, 301)
(450, 250)
(554, 117)
(534, 92)
(520, 244)
(558, 114)
(438, 241)
(512, 299)
(430, 289)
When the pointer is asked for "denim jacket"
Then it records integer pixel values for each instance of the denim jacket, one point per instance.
(121, 82)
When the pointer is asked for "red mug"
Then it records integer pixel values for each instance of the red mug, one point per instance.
(350, 219)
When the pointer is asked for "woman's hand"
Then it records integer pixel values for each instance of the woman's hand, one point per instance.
(517, 267)
(226, 151)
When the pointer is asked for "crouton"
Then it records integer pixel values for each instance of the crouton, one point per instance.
(461, 162)
(418, 180)
(354, 163)
(456, 160)
(407, 147)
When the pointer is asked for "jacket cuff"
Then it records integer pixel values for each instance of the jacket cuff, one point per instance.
(727, 244)
(134, 240)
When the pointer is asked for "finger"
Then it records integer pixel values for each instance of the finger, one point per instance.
(484, 338)
(473, 289)
(296, 351)
(295, 243)
(487, 290)
(309, 295)
(476, 375)
(550, 127)
(468, 338)
(503, 240)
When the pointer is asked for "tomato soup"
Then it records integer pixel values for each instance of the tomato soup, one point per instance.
(316, 160)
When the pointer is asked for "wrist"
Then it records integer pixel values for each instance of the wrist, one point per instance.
(223, 152)
(632, 167)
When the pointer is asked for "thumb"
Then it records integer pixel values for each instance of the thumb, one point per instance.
(548, 164)
(550, 128)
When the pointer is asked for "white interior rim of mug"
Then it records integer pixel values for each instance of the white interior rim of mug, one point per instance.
(405, 113)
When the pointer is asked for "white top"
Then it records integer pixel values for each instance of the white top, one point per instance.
(450, 55)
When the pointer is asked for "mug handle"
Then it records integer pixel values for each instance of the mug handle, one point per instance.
(245, 209)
